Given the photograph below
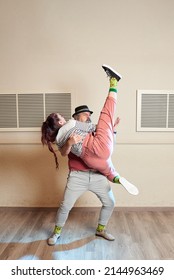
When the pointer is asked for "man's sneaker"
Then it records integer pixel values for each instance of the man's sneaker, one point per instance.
(53, 238)
(128, 186)
(111, 72)
(105, 235)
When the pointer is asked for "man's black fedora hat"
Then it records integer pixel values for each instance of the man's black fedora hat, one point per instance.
(81, 109)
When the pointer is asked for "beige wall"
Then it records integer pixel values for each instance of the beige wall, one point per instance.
(60, 45)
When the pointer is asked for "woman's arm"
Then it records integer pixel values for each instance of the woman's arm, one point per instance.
(117, 121)
(73, 139)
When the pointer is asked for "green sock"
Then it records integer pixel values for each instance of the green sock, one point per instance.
(57, 229)
(100, 227)
(116, 179)
(113, 85)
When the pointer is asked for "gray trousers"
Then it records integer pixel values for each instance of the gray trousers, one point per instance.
(79, 182)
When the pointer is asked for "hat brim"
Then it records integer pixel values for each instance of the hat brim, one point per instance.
(82, 111)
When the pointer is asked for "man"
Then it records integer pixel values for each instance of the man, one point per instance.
(81, 179)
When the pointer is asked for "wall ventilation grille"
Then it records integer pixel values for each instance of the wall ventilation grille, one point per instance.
(155, 110)
(26, 112)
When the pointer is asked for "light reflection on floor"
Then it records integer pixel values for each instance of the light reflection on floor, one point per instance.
(39, 250)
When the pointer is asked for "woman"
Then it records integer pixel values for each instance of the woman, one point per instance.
(95, 144)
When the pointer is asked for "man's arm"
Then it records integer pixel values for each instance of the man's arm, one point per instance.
(73, 139)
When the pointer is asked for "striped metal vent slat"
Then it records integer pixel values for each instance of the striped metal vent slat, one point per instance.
(154, 110)
(171, 111)
(59, 104)
(8, 111)
(30, 108)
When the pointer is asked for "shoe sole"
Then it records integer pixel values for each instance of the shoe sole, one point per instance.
(128, 186)
(104, 237)
(111, 72)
